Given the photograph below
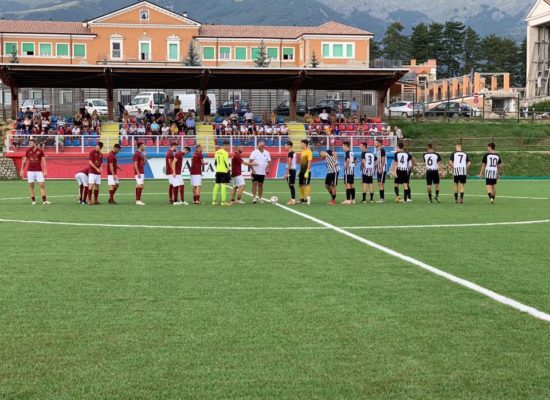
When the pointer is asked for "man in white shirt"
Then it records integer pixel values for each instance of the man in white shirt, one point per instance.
(324, 117)
(249, 117)
(261, 160)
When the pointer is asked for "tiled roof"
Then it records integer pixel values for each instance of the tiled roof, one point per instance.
(277, 32)
(47, 27)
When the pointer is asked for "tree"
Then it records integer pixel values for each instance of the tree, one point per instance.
(437, 47)
(262, 60)
(420, 43)
(453, 41)
(521, 74)
(500, 54)
(193, 58)
(396, 44)
(314, 62)
(375, 51)
(472, 51)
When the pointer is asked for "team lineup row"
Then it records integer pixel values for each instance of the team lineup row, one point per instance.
(372, 164)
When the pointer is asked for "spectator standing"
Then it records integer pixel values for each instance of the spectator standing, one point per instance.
(249, 117)
(398, 133)
(207, 107)
(354, 107)
(177, 105)
(324, 117)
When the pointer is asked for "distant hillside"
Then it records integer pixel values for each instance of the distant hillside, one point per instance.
(501, 17)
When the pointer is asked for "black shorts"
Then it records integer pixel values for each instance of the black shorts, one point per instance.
(291, 177)
(223, 177)
(258, 178)
(432, 177)
(460, 179)
(302, 180)
(490, 182)
(381, 178)
(368, 179)
(349, 179)
(331, 179)
(402, 177)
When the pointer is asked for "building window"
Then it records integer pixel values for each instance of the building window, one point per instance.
(62, 50)
(10, 48)
(66, 97)
(28, 49)
(116, 49)
(208, 53)
(367, 99)
(35, 94)
(225, 53)
(144, 15)
(288, 53)
(79, 50)
(338, 50)
(45, 49)
(145, 51)
(273, 53)
(173, 51)
(255, 52)
(240, 53)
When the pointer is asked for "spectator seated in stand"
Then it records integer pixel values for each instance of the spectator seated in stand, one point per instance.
(190, 127)
(249, 117)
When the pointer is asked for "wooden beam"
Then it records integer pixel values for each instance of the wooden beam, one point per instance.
(202, 94)
(110, 94)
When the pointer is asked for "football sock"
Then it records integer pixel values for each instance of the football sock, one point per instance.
(396, 189)
(462, 196)
(371, 196)
(456, 196)
(430, 195)
(382, 194)
(302, 193)
(364, 196)
(353, 194)
(437, 193)
(490, 195)
(85, 195)
(292, 192)
(81, 191)
(171, 193)
(407, 194)
(174, 195)
(308, 191)
(224, 192)
(33, 198)
(215, 192)
(348, 194)
(138, 193)
(111, 194)
(96, 195)
(333, 196)
(43, 198)
(90, 192)
(182, 193)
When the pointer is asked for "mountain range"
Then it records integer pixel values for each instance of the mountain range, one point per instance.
(500, 17)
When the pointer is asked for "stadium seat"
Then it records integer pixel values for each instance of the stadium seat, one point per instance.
(385, 142)
(76, 142)
(257, 120)
(125, 142)
(92, 142)
(218, 120)
(280, 120)
(165, 142)
(370, 142)
(149, 142)
(350, 128)
(68, 142)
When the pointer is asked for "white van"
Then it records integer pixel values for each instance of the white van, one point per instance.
(150, 101)
(97, 105)
(190, 101)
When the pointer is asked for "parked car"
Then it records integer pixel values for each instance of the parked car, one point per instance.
(330, 105)
(284, 108)
(229, 106)
(404, 109)
(150, 101)
(37, 104)
(97, 105)
(451, 109)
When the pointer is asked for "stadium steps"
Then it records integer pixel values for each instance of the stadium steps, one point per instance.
(7, 168)
(204, 132)
(296, 131)
(109, 133)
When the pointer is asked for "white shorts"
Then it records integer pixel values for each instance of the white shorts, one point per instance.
(177, 181)
(196, 180)
(111, 181)
(140, 179)
(35, 176)
(82, 179)
(238, 181)
(94, 179)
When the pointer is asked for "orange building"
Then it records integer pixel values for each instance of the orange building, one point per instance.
(147, 33)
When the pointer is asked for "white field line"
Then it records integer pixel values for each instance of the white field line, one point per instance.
(460, 281)
(487, 224)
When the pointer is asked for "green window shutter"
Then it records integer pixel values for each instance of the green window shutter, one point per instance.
(288, 54)
(208, 53)
(349, 51)
(79, 50)
(225, 52)
(255, 52)
(173, 51)
(338, 50)
(240, 53)
(273, 52)
(28, 48)
(45, 49)
(62, 50)
(10, 48)
(326, 50)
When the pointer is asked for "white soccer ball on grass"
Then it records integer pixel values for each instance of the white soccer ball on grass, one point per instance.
(274, 200)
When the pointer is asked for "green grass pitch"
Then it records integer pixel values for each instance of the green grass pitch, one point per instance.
(107, 312)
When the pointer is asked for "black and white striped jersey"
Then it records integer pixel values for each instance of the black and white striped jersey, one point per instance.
(460, 163)
(350, 158)
(432, 161)
(332, 164)
(491, 161)
(380, 154)
(403, 160)
(367, 167)
(292, 157)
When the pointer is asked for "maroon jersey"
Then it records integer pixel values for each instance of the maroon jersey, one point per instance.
(34, 158)
(140, 159)
(96, 158)
(84, 171)
(179, 162)
(169, 159)
(236, 165)
(196, 163)
(112, 160)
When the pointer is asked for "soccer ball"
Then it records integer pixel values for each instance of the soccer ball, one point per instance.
(274, 200)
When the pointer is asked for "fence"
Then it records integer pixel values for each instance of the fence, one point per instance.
(479, 144)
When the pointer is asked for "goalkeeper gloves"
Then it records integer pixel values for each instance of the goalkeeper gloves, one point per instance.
(306, 175)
